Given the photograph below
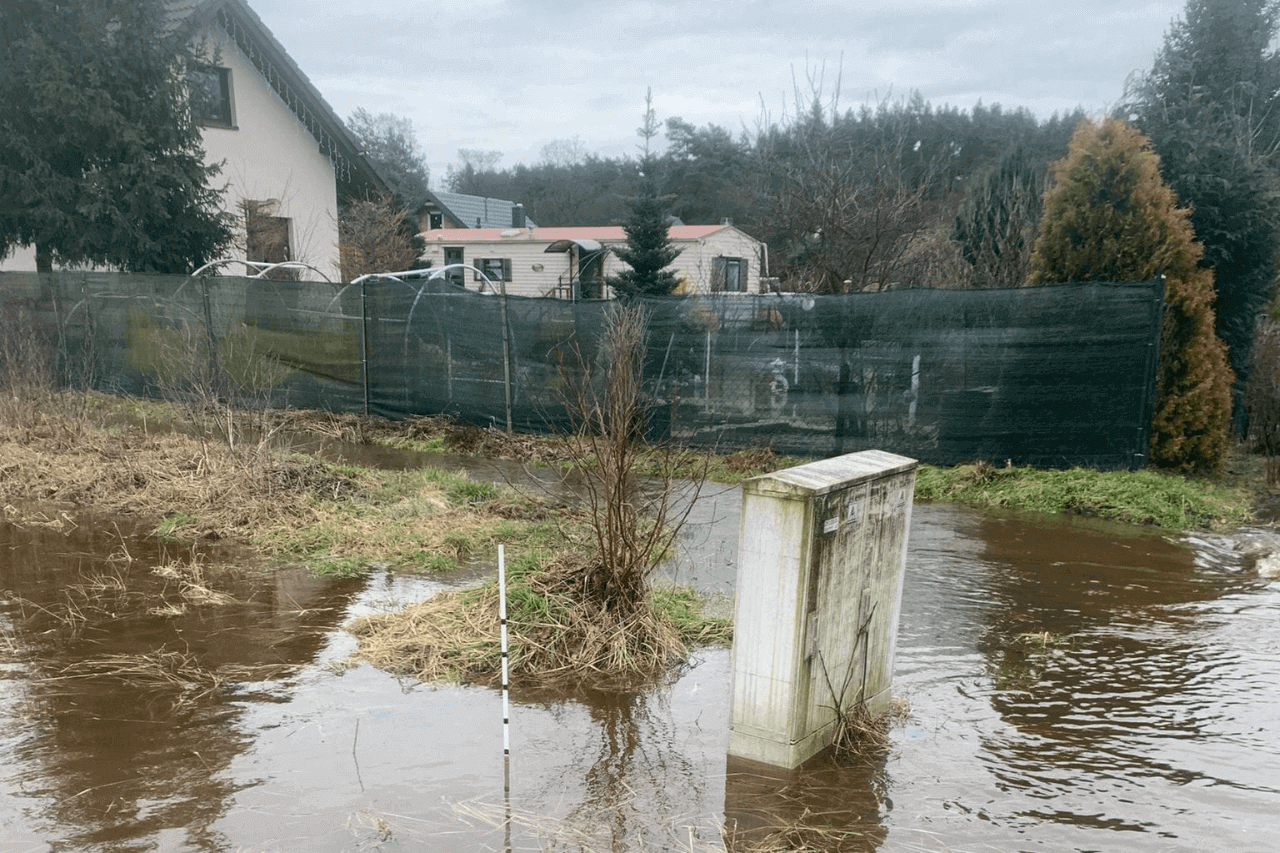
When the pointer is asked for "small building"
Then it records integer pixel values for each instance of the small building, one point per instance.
(459, 210)
(574, 263)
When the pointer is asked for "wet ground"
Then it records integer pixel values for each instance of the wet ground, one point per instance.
(1074, 685)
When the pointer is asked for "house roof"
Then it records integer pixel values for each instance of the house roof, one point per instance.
(599, 233)
(355, 175)
(468, 209)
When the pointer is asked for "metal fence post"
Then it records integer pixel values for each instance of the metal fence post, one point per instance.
(364, 342)
(208, 330)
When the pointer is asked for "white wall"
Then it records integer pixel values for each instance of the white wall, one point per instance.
(270, 155)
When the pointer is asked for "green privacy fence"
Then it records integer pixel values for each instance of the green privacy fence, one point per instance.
(1055, 375)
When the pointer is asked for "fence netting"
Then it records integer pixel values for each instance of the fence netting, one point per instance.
(1054, 375)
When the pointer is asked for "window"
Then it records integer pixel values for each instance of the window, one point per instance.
(210, 90)
(267, 235)
(730, 275)
(494, 269)
(453, 255)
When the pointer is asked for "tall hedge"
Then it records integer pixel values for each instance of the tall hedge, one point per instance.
(1108, 216)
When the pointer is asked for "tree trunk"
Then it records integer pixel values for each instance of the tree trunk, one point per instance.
(44, 258)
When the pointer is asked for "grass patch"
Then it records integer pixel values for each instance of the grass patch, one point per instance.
(552, 634)
(171, 526)
(1136, 497)
(684, 608)
(423, 520)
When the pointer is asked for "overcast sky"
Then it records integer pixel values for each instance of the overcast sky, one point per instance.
(514, 76)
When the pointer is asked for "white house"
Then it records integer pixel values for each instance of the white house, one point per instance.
(573, 263)
(286, 156)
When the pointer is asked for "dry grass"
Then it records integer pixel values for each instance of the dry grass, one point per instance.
(162, 674)
(154, 475)
(862, 735)
(553, 633)
(193, 587)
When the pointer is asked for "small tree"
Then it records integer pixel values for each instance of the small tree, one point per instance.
(1109, 217)
(648, 252)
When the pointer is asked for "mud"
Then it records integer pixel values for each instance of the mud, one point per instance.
(1073, 685)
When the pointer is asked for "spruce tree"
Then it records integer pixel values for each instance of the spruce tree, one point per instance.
(101, 161)
(1109, 217)
(648, 251)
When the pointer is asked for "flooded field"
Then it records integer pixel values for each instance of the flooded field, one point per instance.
(1073, 685)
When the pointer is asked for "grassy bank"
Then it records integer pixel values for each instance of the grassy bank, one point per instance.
(1134, 497)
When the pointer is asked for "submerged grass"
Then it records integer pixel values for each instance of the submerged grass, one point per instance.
(1135, 497)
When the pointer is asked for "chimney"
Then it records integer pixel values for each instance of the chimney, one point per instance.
(517, 216)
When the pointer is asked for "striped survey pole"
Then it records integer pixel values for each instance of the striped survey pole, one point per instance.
(502, 621)
(506, 712)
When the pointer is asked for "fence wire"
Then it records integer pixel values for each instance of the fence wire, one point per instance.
(1054, 376)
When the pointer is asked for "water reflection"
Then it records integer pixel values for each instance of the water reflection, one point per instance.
(125, 677)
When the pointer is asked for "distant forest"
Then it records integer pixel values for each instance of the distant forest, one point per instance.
(894, 194)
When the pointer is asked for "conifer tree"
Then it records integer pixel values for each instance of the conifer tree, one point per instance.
(648, 251)
(1109, 217)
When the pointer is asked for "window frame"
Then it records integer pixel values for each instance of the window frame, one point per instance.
(722, 264)
(225, 97)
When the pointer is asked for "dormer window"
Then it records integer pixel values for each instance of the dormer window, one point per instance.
(210, 89)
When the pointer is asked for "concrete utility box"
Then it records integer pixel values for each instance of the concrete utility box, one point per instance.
(821, 558)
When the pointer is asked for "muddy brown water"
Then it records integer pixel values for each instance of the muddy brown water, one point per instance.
(1073, 685)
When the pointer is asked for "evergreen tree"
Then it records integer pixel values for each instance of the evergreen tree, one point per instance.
(1211, 107)
(1109, 217)
(100, 159)
(997, 221)
(649, 251)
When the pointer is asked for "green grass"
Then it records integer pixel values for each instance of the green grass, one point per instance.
(168, 527)
(683, 607)
(1135, 497)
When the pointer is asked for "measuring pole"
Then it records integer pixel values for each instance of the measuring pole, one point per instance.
(506, 713)
(502, 620)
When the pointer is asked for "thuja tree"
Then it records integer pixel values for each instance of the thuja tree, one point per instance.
(1109, 217)
(100, 159)
(648, 251)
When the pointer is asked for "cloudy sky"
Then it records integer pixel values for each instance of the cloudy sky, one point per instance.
(514, 76)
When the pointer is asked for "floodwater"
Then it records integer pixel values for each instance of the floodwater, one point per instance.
(1073, 685)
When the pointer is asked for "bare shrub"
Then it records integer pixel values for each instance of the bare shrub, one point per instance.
(33, 396)
(634, 523)
(375, 236)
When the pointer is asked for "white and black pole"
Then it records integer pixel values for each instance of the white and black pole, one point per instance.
(506, 712)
